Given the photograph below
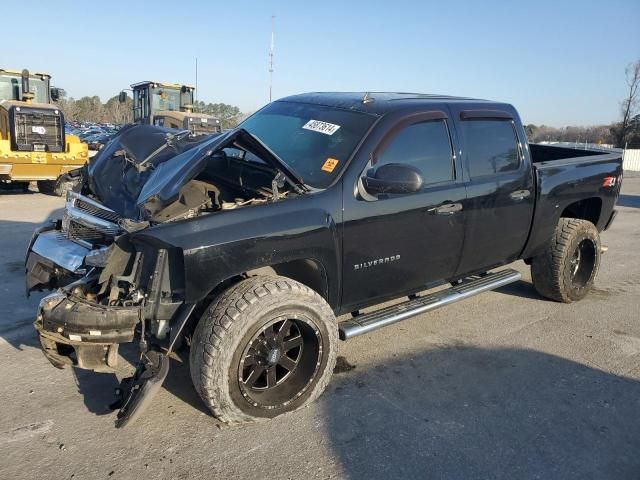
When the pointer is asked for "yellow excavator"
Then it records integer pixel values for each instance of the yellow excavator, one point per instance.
(169, 105)
(33, 142)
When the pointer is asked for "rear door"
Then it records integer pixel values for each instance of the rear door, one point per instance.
(500, 189)
(395, 244)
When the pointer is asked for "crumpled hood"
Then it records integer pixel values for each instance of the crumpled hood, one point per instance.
(143, 167)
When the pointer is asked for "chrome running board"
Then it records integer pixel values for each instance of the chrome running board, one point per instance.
(387, 316)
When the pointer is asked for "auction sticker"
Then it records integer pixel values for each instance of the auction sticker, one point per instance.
(329, 165)
(321, 127)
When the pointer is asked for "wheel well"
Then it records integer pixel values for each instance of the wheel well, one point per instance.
(587, 209)
(306, 271)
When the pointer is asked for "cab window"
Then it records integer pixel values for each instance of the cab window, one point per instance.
(425, 146)
(491, 147)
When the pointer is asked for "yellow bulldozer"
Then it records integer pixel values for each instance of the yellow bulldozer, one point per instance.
(33, 142)
(169, 105)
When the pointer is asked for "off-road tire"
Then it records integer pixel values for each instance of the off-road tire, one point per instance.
(57, 187)
(62, 187)
(230, 322)
(47, 187)
(551, 271)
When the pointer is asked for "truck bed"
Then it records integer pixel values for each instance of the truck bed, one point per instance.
(563, 183)
(551, 153)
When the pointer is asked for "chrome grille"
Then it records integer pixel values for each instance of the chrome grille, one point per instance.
(36, 130)
(96, 211)
(78, 231)
(89, 223)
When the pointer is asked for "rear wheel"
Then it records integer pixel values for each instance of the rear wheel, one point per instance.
(265, 347)
(567, 269)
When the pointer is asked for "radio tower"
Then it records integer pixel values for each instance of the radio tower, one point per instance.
(273, 19)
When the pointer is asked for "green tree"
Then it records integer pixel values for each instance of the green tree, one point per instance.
(228, 115)
(90, 109)
(116, 112)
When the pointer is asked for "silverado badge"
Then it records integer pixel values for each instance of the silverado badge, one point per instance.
(376, 262)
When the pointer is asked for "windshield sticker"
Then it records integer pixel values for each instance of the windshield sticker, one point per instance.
(321, 127)
(329, 165)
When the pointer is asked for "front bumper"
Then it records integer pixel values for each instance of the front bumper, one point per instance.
(26, 166)
(75, 332)
(33, 171)
(53, 261)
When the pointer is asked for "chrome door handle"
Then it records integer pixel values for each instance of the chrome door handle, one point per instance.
(520, 194)
(447, 209)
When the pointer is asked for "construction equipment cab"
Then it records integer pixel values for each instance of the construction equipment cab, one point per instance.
(33, 144)
(169, 105)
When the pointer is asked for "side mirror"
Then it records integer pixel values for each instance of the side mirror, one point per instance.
(122, 98)
(56, 94)
(395, 178)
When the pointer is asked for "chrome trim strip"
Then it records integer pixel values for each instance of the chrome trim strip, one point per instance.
(73, 196)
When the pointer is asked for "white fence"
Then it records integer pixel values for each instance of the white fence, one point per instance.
(632, 160)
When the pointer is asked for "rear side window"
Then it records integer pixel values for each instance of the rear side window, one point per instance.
(491, 147)
(425, 146)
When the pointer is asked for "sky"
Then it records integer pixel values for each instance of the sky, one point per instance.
(559, 62)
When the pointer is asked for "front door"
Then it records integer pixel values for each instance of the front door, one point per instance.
(397, 244)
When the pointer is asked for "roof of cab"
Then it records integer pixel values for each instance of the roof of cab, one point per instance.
(19, 73)
(162, 84)
(376, 103)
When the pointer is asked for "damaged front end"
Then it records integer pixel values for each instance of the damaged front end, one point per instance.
(108, 291)
(112, 285)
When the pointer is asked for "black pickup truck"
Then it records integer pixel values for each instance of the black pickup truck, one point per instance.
(260, 247)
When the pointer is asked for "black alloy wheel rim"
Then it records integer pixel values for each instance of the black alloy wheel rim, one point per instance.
(280, 362)
(582, 263)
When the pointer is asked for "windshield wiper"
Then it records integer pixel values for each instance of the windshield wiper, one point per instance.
(170, 139)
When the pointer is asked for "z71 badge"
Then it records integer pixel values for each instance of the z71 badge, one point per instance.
(376, 262)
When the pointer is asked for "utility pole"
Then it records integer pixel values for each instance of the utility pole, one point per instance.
(196, 81)
(273, 20)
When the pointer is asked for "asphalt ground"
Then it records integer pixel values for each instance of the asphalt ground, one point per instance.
(503, 385)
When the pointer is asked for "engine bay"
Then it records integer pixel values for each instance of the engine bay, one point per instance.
(228, 181)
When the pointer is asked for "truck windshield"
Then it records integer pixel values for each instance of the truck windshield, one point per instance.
(314, 140)
(11, 88)
(165, 99)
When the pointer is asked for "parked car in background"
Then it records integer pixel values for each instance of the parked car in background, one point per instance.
(95, 135)
(96, 142)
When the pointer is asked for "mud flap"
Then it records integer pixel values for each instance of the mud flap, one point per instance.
(137, 392)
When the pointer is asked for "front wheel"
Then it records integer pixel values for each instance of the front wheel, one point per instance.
(58, 187)
(567, 269)
(47, 187)
(266, 346)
